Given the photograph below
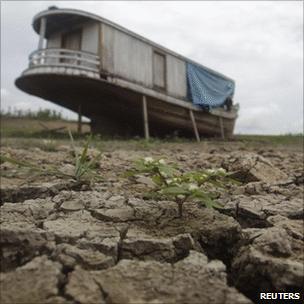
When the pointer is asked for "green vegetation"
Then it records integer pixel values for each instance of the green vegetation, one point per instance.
(284, 139)
(173, 184)
(84, 166)
(41, 114)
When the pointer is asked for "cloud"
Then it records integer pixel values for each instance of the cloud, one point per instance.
(259, 44)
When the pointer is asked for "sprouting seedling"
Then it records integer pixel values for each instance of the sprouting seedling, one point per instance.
(171, 183)
(84, 165)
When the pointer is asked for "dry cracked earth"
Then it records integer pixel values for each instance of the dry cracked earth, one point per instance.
(68, 242)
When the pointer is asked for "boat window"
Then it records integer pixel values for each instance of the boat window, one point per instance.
(159, 70)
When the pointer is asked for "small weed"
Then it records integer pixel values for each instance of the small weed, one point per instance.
(84, 166)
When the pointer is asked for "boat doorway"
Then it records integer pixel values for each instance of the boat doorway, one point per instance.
(71, 41)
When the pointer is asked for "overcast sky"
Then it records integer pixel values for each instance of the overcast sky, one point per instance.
(259, 44)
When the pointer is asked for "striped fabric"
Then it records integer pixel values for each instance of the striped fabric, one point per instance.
(207, 89)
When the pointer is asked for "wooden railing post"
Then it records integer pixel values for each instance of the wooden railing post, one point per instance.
(145, 117)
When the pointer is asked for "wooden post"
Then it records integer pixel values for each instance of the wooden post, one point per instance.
(145, 117)
(79, 125)
(194, 126)
(222, 127)
(42, 31)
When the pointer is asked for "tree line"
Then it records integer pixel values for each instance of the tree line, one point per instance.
(42, 114)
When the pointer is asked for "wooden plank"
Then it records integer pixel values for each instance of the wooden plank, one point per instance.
(176, 77)
(194, 126)
(145, 116)
(79, 124)
(222, 127)
(47, 129)
(100, 46)
(159, 70)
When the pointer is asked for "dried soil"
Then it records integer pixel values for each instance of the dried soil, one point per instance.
(69, 242)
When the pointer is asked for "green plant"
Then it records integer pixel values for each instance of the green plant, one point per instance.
(171, 183)
(83, 164)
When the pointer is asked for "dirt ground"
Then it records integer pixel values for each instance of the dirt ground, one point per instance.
(101, 241)
(12, 126)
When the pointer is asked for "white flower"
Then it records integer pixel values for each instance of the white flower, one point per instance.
(212, 171)
(148, 160)
(192, 187)
(161, 161)
(169, 181)
(164, 174)
(181, 196)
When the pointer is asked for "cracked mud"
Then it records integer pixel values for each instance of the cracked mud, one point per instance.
(65, 242)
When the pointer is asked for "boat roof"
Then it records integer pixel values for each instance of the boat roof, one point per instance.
(60, 17)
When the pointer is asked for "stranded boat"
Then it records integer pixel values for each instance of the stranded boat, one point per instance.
(125, 83)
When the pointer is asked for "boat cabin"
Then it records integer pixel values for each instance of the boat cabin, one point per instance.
(125, 83)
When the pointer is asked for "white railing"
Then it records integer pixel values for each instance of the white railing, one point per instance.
(65, 58)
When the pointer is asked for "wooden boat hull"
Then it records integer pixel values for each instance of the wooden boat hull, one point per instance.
(117, 110)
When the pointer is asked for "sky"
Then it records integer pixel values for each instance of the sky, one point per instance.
(257, 43)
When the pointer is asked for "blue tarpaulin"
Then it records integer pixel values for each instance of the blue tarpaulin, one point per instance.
(207, 89)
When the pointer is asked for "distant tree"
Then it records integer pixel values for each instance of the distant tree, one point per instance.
(42, 114)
